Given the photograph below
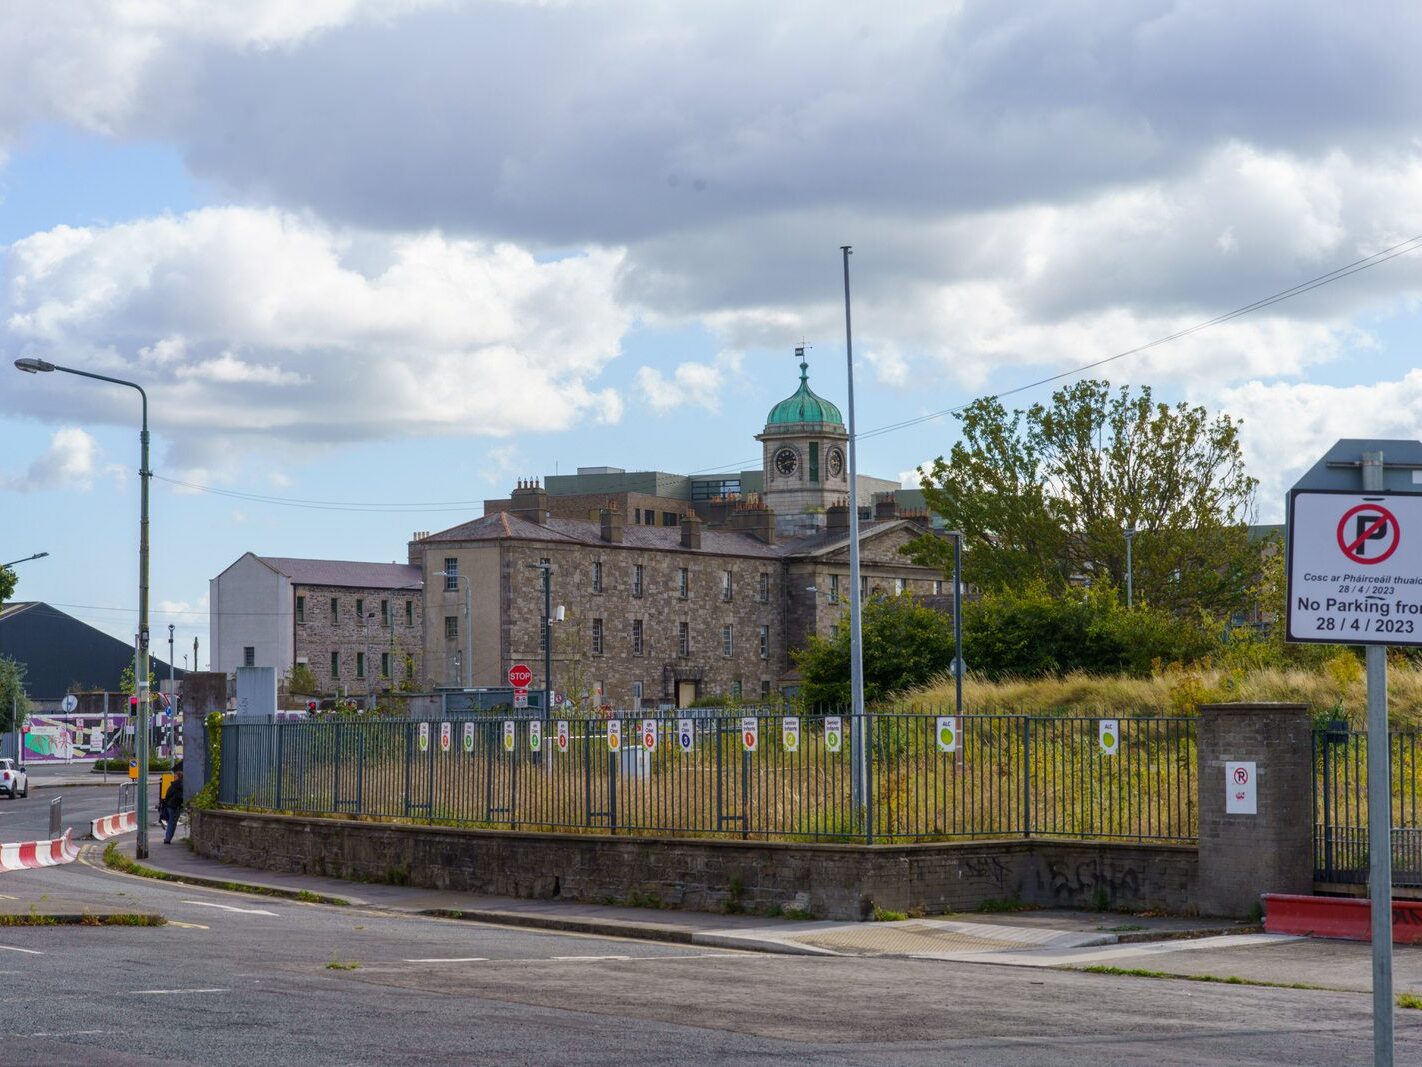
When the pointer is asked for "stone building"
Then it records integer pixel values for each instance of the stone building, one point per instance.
(356, 626)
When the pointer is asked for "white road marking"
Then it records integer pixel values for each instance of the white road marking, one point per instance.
(570, 959)
(188, 926)
(69, 1033)
(229, 907)
(169, 992)
(452, 959)
(26, 951)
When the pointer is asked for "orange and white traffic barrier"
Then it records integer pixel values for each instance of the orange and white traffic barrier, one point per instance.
(24, 855)
(113, 825)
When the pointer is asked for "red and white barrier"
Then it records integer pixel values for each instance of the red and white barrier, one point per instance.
(113, 825)
(28, 854)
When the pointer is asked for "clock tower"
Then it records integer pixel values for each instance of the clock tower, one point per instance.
(804, 444)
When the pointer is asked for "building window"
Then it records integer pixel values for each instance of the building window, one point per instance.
(597, 637)
(669, 518)
(451, 574)
(834, 589)
(409, 613)
(636, 637)
(385, 613)
(765, 689)
(898, 587)
(637, 694)
(597, 576)
(451, 626)
(683, 639)
(725, 585)
(360, 610)
(360, 664)
(249, 656)
(765, 642)
(814, 461)
(762, 592)
(301, 609)
(637, 576)
(864, 587)
(335, 609)
(638, 520)
(683, 584)
(938, 587)
(385, 664)
(335, 666)
(736, 689)
(728, 641)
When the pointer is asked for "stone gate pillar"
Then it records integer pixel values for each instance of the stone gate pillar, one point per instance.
(1270, 851)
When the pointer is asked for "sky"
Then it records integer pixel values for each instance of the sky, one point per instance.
(373, 260)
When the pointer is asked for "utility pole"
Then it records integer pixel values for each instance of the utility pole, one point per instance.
(172, 692)
(1130, 576)
(547, 569)
(860, 730)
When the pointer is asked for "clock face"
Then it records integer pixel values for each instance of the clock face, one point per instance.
(836, 462)
(786, 461)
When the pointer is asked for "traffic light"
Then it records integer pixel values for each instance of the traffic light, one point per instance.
(133, 705)
(311, 706)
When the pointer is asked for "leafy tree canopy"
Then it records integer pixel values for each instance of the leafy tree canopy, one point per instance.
(7, 584)
(12, 692)
(1044, 495)
(906, 644)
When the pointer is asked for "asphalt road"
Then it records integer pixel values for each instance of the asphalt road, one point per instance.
(241, 979)
(27, 818)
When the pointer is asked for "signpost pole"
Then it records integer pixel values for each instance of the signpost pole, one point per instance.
(1379, 819)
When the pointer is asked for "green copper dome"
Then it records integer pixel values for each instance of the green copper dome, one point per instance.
(805, 405)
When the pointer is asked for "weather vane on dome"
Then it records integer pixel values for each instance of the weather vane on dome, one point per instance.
(800, 355)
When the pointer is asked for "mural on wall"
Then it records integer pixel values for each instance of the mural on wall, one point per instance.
(85, 738)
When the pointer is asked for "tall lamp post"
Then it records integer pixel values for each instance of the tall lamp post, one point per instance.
(466, 670)
(172, 697)
(1130, 532)
(547, 569)
(957, 536)
(141, 679)
(860, 777)
(37, 555)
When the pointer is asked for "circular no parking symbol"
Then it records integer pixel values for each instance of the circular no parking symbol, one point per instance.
(1368, 533)
(1241, 776)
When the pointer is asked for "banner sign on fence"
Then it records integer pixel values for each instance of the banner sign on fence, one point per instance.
(446, 736)
(1240, 795)
(508, 735)
(947, 731)
(750, 732)
(1108, 736)
(686, 734)
(790, 733)
(614, 734)
(535, 736)
(424, 737)
(649, 734)
(468, 737)
(834, 733)
(562, 735)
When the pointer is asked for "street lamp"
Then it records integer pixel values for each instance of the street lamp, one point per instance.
(39, 366)
(547, 569)
(37, 555)
(859, 787)
(1130, 578)
(468, 667)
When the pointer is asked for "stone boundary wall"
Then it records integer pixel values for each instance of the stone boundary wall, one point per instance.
(835, 881)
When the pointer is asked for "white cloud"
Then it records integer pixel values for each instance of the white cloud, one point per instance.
(73, 460)
(264, 327)
(690, 384)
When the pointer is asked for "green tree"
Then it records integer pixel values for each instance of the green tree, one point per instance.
(906, 644)
(12, 692)
(7, 584)
(1044, 495)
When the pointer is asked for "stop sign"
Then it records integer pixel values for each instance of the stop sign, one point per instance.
(520, 676)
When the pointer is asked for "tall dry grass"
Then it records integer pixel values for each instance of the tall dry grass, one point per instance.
(1335, 687)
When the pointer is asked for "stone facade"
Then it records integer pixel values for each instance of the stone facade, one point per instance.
(834, 881)
(347, 649)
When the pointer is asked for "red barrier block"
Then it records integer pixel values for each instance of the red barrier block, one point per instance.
(1344, 918)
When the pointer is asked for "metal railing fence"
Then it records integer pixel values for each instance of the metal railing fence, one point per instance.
(1340, 806)
(750, 775)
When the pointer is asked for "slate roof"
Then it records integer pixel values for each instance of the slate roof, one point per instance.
(346, 573)
(58, 650)
(503, 525)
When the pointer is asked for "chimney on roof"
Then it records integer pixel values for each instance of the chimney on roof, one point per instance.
(837, 517)
(612, 524)
(529, 500)
(754, 518)
(886, 506)
(691, 531)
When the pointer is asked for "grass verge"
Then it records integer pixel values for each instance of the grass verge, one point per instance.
(1232, 979)
(87, 918)
(118, 861)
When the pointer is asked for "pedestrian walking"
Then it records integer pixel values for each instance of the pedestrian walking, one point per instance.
(171, 805)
